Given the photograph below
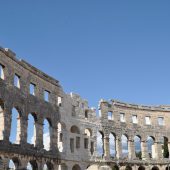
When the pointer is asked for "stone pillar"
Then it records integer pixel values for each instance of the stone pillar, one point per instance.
(144, 150)
(53, 138)
(169, 149)
(131, 149)
(23, 165)
(118, 148)
(106, 147)
(39, 135)
(158, 150)
(7, 125)
(22, 123)
(5, 163)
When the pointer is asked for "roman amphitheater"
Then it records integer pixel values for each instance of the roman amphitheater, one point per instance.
(78, 139)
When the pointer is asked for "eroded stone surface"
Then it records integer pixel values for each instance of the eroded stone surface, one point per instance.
(73, 125)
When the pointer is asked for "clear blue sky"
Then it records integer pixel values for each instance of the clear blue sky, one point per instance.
(99, 49)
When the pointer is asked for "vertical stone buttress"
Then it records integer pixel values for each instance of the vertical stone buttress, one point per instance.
(118, 147)
(131, 149)
(144, 150)
(106, 146)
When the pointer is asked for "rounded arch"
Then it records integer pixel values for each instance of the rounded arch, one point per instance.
(141, 168)
(151, 147)
(15, 132)
(88, 132)
(112, 144)
(128, 167)
(49, 166)
(167, 168)
(100, 143)
(155, 168)
(31, 128)
(14, 163)
(115, 167)
(47, 131)
(137, 142)
(76, 167)
(32, 165)
(124, 141)
(165, 149)
(75, 129)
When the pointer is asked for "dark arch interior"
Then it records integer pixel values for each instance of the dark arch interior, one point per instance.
(115, 167)
(128, 168)
(76, 167)
(141, 168)
(155, 168)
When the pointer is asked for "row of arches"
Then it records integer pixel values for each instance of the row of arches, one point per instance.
(124, 143)
(31, 165)
(32, 126)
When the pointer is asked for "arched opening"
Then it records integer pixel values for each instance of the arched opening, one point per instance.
(112, 143)
(2, 75)
(124, 140)
(137, 141)
(141, 168)
(12, 165)
(15, 132)
(167, 168)
(128, 167)
(32, 165)
(48, 166)
(63, 167)
(151, 148)
(165, 149)
(2, 127)
(47, 134)
(100, 143)
(155, 168)
(115, 167)
(75, 129)
(88, 132)
(76, 167)
(31, 131)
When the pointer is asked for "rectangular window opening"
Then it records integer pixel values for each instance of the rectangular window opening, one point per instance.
(147, 120)
(77, 142)
(122, 117)
(86, 113)
(73, 110)
(46, 95)
(160, 121)
(2, 72)
(59, 101)
(32, 89)
(86, 143)
(17, 81)
(134, 119)
(72, 145)
(110, 116)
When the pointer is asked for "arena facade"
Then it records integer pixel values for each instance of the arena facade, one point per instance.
(78, 139)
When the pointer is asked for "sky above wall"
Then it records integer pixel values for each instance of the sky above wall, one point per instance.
(99, 49)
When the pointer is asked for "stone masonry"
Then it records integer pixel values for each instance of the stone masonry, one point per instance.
(74, 128)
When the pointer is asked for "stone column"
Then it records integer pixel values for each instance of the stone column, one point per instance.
(53, 138)
(144, 150)
(106, 146)
(158, 150)
(39, 135)
(7, 125)
(131, 149)
(169, 148)
(118, 148)
(22, 123)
